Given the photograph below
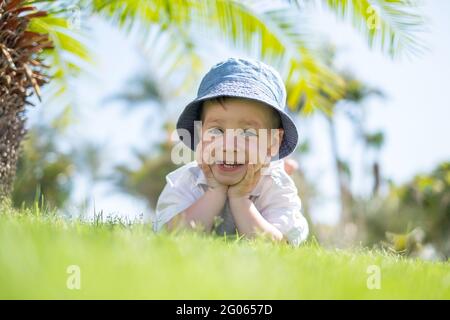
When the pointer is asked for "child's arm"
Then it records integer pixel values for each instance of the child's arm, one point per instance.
(280, 206)
(248, 219)
(201, 213)
(205, 209)
(250, 222)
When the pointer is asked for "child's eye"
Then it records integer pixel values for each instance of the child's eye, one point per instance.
(250, 133)
(215, 131)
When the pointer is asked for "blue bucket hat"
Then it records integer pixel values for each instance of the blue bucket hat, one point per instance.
(241, 78)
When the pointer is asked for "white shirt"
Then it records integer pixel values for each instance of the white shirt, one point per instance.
(275, 196)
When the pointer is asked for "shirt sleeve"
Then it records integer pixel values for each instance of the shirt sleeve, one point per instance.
(178, 194)
(280, 205)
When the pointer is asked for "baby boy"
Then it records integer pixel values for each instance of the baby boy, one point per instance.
(240, 131)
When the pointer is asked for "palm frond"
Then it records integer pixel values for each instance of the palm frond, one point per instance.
(280, 34)
(393, 26)
(69, 54)
(275, 33)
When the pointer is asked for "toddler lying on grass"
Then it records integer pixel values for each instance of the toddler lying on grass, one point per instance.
(240, 131)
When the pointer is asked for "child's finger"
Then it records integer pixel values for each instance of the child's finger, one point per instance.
(256, 171)
(250, 173)
(256, 177)
(253, 177)
(206, 170)
(258, 166)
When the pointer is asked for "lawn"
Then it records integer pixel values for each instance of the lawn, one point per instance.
(41, 257)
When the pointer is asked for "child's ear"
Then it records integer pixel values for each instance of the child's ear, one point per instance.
(276, 137)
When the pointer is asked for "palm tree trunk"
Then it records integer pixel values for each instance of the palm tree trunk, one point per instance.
(305, 196)
(11, 134)
(343, 189)
(20, 71)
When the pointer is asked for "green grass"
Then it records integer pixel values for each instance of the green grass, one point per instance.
(131, 262)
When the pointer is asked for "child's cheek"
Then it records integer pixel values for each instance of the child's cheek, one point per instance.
(213, 148)
(258, 150)
(207, 138)
(250, 151)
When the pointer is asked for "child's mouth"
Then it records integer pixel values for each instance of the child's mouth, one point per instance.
(229, 167)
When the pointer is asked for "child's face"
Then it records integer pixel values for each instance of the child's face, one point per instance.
(239, 132)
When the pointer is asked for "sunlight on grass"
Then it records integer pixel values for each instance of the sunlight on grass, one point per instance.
(130, 262)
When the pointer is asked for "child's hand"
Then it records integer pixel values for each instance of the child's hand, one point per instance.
(204, 159)
(213, 184)
(247, 184)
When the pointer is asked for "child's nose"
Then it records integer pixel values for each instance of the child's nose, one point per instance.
(234, 147)
(235, 141)
(230, 140)
(229, 146)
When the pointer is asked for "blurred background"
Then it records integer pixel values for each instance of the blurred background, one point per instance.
(367, 85)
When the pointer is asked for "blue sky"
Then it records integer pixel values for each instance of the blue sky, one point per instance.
(415, 116)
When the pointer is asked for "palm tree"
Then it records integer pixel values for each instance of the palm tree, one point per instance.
(27, 37)
(20, 70)
(356, 94)
(352, 104)
(275, 31)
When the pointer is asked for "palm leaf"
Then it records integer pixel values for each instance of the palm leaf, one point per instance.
(69, 55)
(393, 26)
(273, 33)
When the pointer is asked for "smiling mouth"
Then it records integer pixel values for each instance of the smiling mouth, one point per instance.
(226, 165)
(229, 166)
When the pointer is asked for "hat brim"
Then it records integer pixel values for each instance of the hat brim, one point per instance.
(192, 112)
